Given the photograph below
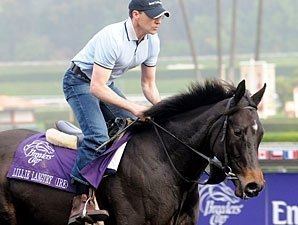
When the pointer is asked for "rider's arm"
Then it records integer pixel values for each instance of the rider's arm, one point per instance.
(149, 85)
(100, 89)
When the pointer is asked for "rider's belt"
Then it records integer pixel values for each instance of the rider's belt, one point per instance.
(78, 72)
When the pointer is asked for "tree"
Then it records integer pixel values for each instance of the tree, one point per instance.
(231, 70)
(259, 30)
(218, 32)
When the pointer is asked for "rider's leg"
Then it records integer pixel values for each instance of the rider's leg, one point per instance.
(91, 120)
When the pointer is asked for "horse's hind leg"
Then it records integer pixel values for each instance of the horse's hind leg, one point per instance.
(7, 211)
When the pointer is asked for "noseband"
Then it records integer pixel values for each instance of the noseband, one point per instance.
(222, 167)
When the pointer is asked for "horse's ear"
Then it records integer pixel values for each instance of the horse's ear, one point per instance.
(257, 97)
(240, 91)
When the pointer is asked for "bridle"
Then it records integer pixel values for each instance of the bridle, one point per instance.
(222, 167)
(228, 112)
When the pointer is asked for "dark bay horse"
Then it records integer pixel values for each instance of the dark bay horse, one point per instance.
(155, 182)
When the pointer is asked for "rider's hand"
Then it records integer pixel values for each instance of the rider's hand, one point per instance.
(139, 110)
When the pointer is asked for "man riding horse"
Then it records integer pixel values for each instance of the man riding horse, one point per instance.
(157, 179)
(89, 88)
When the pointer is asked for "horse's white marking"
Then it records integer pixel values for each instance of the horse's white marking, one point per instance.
(255, 126)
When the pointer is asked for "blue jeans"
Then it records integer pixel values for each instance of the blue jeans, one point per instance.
(91, 114)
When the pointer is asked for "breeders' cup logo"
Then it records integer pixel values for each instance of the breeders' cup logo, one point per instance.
(218, 202)
(38, 151)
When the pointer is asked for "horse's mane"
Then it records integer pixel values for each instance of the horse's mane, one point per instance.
(212, 91)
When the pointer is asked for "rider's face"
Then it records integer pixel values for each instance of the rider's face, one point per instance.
(147, 24)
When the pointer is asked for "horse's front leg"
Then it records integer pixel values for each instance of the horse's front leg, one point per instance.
(188, 219)
(190, 213)
(126, 213)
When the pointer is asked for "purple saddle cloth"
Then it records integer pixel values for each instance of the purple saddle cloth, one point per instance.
(39, 161)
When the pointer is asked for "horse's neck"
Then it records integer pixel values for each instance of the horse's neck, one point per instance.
(192, 128)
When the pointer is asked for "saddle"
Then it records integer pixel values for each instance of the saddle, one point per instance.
(66, 134)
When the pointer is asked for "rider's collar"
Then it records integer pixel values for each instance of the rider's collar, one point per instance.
(131, 34)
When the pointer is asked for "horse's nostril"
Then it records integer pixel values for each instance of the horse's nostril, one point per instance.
(252, 189)
(252, 186)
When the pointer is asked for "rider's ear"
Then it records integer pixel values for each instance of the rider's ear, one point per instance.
(240, 91)
(257, 97)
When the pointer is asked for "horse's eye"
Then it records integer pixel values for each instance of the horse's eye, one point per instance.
(237, 132)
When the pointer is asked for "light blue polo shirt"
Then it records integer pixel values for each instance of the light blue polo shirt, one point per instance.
(116, 47)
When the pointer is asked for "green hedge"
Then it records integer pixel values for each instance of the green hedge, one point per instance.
(291, 136)
(280, 125)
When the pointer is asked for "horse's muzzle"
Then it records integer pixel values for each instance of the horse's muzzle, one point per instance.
(250, 184)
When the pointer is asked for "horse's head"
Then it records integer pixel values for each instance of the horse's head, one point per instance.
(224, 120)
(236, 143)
